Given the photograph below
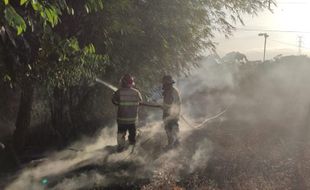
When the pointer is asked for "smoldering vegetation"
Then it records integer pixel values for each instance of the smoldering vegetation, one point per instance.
(96, 163)
(260, 142)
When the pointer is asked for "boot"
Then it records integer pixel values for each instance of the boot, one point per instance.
(120, 142)
(174, 136)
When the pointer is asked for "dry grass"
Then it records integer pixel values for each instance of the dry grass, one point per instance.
(247, 158)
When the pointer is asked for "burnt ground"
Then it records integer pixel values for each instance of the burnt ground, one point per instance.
(244, 155)
(249, 157)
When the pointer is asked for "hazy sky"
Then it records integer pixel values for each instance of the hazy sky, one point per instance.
(289, 15)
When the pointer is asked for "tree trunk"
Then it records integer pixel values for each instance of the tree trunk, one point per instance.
(23, 118)
(60, 116)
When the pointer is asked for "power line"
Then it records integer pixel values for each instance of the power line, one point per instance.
(285, 43)
(272, 30)
(291, 2)
(289, 44)
(281, 42)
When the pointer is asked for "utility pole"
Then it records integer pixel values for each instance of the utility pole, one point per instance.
(299, 44)
(265, 36)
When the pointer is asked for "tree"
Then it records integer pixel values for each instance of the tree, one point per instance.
(151, 37)
(35, 54)
(53, 43)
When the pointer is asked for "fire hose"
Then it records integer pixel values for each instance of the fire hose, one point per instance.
(155, 105)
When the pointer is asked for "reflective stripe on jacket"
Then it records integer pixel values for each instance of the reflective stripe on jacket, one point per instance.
(128, 100)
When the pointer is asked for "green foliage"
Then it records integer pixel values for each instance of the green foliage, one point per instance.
(48, 12)
(22, 2)
(56, 61)
(94, 5)
(72, 66)
(147, 38)
(14, 19)
(6, 2)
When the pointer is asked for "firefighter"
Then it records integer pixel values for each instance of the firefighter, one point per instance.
(171, 110)
(127, 98)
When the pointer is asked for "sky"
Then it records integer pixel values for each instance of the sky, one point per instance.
(284, 25)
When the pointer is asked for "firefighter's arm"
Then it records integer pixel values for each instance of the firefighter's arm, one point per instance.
(176, 97)
(177, 101)
(140, 97)
(115, 98)
(148, 104)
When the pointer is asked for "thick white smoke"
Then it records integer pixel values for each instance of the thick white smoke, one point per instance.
(95, 165)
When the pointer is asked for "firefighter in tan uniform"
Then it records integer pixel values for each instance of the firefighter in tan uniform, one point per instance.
(127, 99)
(171, 110)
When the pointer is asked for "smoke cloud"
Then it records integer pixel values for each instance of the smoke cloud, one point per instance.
(95, 165)
(256, 97)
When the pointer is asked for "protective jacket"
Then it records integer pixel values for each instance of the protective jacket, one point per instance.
(172, 104)
(127, 100)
